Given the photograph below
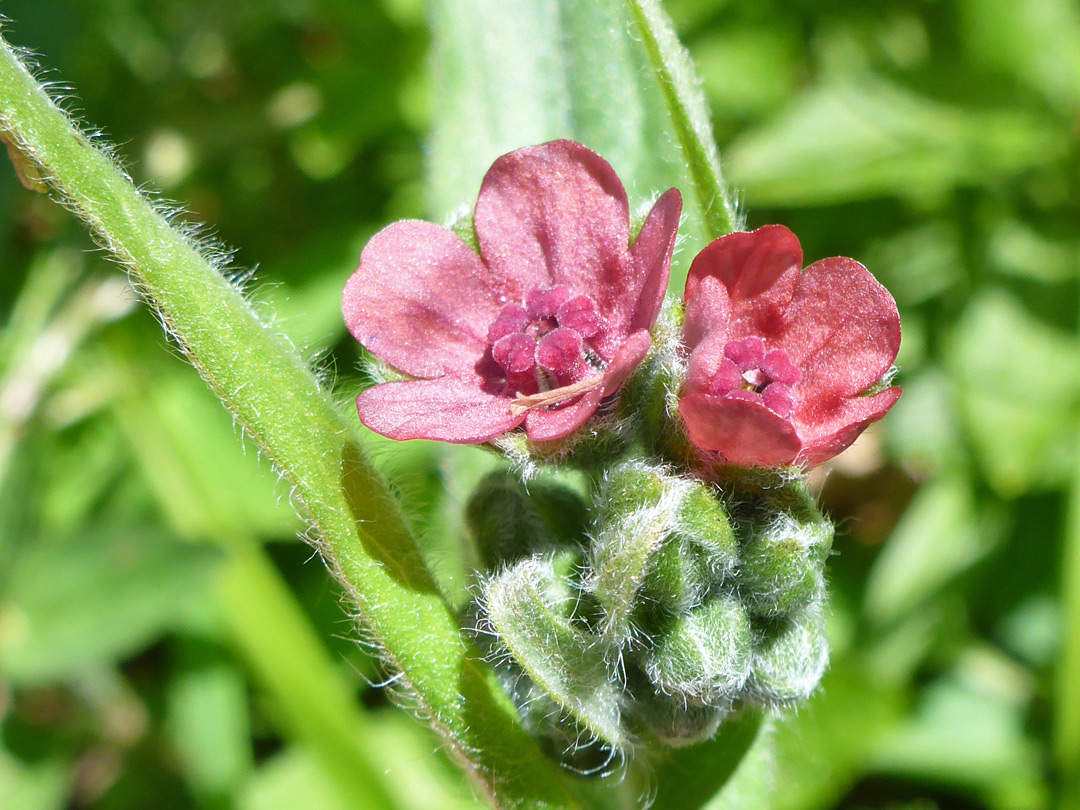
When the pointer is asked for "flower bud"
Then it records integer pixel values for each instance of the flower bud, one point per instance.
(509, 522)
(703, 523)
(704, 656)
(638, 504)
(783, 559)
(790, 657)
(699, 553)
(670, 720)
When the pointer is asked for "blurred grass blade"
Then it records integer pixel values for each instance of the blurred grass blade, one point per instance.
(689, 114)
(274, 395)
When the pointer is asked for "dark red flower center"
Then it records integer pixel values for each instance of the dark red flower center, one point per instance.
(544, 344)
(750, 372)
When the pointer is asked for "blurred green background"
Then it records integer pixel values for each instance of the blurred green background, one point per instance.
(167, 642)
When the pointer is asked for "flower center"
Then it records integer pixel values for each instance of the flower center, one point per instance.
(544, 344)
(751, 373)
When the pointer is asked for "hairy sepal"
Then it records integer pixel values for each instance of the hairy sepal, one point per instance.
(530, 606)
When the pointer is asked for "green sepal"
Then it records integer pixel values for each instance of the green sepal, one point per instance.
(637, 508)
(699, 555)
(677, 580)
(631, 487)
(592, 448)
(530, 607)
(703, 523)
(790, 657)
(461, 223)
(703, 657)
(787, 543)
(650, 399)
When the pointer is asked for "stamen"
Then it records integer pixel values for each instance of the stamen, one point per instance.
(527, 402)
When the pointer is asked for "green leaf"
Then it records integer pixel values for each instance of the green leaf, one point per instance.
(208, 723)
(1035, 41)
(969, 738)
(938, 537)
(293, 778)
(1018, 387)
(689, 114)
(823, 748)
(567, 69)
(41, 785)
(1066, 739)
(696, 776)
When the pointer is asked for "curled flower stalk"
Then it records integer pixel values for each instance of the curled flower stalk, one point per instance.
(679, 610)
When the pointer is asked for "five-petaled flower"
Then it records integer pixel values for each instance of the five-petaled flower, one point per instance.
(550, 318)
(780, 360)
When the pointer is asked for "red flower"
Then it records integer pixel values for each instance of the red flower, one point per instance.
(549, 319)
(780, 359)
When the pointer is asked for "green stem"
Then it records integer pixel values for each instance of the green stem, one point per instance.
(273, 394)
(689, 114)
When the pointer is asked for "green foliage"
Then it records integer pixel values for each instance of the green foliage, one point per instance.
(82, 602)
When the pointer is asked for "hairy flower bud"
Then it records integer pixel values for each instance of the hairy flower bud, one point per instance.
(790, 658)
(672, 721)
(508, 521)
(782, 567)
(704, 657)
(530, 608)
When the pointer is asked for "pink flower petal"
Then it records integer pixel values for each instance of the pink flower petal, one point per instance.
(580, 315)
(545, 303)
(512, 319)
(422, 300)
(626, 360)
(727, 378)
(556, 214)
(833, 431)
(445, 409)
(779, 399)
(842, 329)
(744, 433)
(778, 366)
(651, 255)
(743, 395)
(707, 312)
(759, 269)
(544, 425)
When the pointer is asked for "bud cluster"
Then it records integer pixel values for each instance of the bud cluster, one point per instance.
(653, 613)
